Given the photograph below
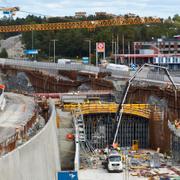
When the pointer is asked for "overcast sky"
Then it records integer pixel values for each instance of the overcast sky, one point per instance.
(160, 8)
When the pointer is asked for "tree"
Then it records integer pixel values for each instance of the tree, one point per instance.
(3, 53)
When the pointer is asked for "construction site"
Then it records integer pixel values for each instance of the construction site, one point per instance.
(82, 121)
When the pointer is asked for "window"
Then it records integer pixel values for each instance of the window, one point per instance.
(115, 158)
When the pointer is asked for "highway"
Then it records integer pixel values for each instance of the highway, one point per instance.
(154, 77)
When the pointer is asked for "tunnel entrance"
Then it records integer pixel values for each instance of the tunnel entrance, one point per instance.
(100, 129)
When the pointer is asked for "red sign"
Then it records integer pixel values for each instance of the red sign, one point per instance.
(100, 47)
(2, 86)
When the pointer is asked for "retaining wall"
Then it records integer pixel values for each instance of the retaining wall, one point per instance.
(37, 159)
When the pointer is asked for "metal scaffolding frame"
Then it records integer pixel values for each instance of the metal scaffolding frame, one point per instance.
(175, 147)
(99, 130)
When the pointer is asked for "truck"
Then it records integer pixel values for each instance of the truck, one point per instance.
(117, 67)
(64, 61)
(113, 162)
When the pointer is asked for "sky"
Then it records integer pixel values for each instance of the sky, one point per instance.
(158, 8)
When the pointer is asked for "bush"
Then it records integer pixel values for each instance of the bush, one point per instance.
(4, 53)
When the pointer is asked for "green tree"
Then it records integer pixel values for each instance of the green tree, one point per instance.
(3, 53)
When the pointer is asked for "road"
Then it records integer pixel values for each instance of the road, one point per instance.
(102, 174)
(18, 111)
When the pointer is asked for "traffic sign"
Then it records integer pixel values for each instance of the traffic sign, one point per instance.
(85, 60)
(67, 175)
(133, 67)
(30, 51)
(100, 47)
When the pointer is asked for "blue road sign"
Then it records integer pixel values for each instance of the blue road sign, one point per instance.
(30, 51)
(7, 12)
(85, 60)
(67, 175)
(133, 67)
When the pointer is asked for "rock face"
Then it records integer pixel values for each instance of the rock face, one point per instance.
(19, 83)
(13, 46)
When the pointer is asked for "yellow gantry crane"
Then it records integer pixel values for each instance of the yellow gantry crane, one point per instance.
(118, 21)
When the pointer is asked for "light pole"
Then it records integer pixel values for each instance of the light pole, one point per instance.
(89, 42)
(49, 50)
(54, 40)
(114, 50)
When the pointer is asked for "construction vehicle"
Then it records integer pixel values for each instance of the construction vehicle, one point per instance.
(2, 98)
(113, 162)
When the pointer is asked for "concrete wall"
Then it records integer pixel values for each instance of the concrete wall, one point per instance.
(66, 147)
(38, 159)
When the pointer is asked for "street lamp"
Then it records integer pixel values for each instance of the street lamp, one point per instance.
(54, 40)
(114, 50)
(49, 50)
(89, 41)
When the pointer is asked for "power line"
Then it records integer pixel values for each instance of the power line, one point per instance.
(33, 13)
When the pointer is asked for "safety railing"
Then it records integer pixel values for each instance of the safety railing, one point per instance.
(58, 66)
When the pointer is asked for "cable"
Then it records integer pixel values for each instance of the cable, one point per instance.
(33, 13)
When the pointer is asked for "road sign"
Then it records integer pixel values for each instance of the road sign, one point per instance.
(100, 47)
(85, 60)
(30, 51)
(67, 175)
(7, 12)
(133, 67)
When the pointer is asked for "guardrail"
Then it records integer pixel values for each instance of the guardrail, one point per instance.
(56, 66)
(19, 64)
(77, 147)
(47, 65)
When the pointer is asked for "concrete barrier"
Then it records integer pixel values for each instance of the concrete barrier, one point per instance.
(37, 159)
(77, 148)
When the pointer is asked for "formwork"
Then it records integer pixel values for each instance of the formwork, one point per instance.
(100, 129)
(159, 130)
(175, 147)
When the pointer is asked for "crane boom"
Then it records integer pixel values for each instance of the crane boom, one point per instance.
(80, 24)
(11, 9)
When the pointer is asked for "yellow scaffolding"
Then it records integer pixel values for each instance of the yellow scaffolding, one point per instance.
(142, 110)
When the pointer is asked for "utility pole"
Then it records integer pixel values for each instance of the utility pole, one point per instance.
(117, 51)
(32, 41)
(89, 42)
(123, 43)
(49, 50)
(129, 50)
(134, 52)
(89, 51)
(112, 44)
(54, 40)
